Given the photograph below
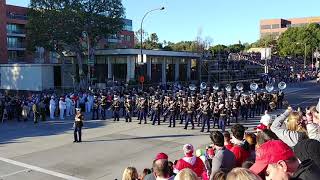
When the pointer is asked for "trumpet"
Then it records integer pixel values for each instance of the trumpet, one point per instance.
(285, 104)
(272, 105)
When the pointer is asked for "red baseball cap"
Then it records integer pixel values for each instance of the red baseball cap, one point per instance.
(261, 127)
(161, 156)
(210, 152)
(271, 152)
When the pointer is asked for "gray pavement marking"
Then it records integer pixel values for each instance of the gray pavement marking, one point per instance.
(39, 169)
(294, 91)
(304, 102)
(14, 173)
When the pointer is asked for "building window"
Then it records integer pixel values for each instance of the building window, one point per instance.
(127, 25)
(299, 25)
(15, 56)
(12, 15)
(275, 26)
(15, 28)
(128, 38)
(127, 28)
(15, 42)
(265, 26)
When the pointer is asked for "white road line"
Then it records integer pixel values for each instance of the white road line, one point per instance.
(295, 90)
(17, 172)
(39, 169)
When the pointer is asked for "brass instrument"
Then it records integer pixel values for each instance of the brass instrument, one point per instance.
(127, 106)
(203, 86)
(285, 104)
(272, 105)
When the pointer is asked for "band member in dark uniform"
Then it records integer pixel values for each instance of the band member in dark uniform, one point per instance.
(172, 110)
(183, 109)
(128, 110)
(116, 108)
(223, 117)
(142, 104)
(103, 107)
(165, 108)
(228, 112)
(199, 112)
(280, 99)
(95, 109)
(156, 112)
(244, 108)
(205, 116)
(258, 104)
(216, 115)
(235, 111)
(189, 114)
(252, 105)
(78, 124)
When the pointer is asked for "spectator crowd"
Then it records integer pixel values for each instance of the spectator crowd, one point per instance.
(287, 147)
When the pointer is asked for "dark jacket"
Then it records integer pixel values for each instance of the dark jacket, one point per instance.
(307, 170)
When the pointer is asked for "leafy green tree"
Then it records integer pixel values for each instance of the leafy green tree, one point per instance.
(152, 42)
(236, 48)
(219, 49)
(296, 40)
(59, 25)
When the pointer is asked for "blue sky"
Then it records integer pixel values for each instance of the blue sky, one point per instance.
(224, 21)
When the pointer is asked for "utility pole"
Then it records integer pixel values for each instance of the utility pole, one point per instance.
(266, 60)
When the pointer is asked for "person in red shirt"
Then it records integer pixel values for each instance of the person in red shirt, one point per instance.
(190, 161)
(240, 148)
(227, 140)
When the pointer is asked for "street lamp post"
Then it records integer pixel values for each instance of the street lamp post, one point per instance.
(85, 35)
(265, 58)
(141, 39)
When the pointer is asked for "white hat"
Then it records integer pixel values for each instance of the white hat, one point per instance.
(221, 106)
(265, 120)
(318, 106)
(188, 148)
(78, 109)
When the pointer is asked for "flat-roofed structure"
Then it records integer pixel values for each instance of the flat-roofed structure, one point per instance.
(274, 27)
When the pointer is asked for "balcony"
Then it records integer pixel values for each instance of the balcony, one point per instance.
(17, 46)
(17, 16)
(113, 40)
(16, 33)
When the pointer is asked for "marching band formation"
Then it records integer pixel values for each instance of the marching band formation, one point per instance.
(204, 107)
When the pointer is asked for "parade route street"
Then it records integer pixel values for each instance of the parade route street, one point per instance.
(45, 151)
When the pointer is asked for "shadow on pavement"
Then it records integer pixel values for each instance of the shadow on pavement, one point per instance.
(12, 131)
(145, 137)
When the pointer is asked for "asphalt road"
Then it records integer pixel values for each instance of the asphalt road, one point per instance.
(46, 151)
